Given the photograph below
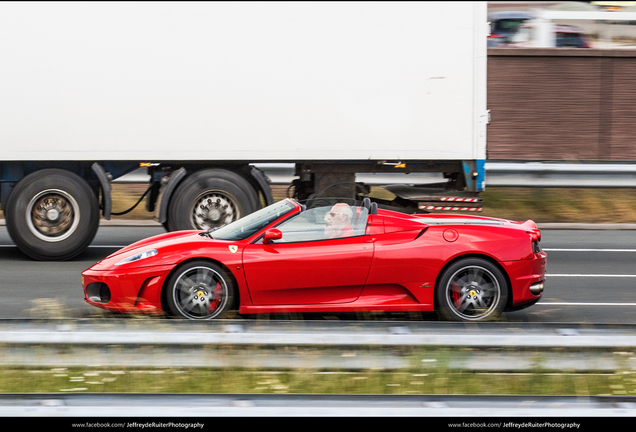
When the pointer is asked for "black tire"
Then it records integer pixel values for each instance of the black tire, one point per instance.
(472, 289)
(210, 198)
(52, 214)
(199, 290)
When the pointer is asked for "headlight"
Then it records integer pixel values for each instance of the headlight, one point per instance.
(139, 256)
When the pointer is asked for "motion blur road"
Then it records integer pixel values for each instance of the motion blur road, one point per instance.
(591, 278)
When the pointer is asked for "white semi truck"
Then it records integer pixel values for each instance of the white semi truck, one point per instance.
(199, 92)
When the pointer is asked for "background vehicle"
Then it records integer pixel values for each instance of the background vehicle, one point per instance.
(547, 104)
(504, 24)
(565, 37)
(198, 92)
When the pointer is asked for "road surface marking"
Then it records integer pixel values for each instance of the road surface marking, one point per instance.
(591, 275)
(587, 250)
(583, 304)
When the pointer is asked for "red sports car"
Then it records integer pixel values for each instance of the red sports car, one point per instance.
(289, 257)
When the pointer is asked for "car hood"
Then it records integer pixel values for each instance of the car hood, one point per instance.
(172, 248)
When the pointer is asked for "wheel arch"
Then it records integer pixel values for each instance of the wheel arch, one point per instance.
(254, 177)
(481, 256)
(14, 172)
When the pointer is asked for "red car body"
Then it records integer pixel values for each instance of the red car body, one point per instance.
(398, 262)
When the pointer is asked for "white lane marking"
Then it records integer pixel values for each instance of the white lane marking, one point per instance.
(591, 275)
(587, 250)
(582, 304)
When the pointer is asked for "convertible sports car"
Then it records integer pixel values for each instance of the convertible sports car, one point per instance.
(326, 257)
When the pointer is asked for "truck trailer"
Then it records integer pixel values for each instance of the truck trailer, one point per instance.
(199, 92)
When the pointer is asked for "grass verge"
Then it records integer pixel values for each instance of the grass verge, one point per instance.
(189, 380)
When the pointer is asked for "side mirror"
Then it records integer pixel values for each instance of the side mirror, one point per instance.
(272, 234)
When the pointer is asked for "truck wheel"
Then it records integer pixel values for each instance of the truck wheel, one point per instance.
(52, 214)
(210, 198)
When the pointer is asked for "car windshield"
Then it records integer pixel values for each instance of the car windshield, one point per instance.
(324, 219)
(250, 224)
(508, 24)
(568, 40)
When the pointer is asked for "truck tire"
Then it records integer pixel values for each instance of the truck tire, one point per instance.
(210, 198)
(52, 214)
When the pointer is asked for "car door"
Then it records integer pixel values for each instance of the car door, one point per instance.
(304, 268)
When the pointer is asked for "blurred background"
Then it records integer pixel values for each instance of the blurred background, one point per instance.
(561, 96)
(568, 106)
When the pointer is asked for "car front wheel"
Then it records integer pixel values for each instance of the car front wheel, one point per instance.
(199, 290)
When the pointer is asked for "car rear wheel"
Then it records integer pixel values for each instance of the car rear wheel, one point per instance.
(199, 290)
(471, 289)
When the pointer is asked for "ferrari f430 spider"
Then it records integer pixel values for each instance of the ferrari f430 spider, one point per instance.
(328, 257)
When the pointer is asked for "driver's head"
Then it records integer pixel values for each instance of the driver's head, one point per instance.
(339, 216)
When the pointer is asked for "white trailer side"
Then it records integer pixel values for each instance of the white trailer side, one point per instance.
(206, 86)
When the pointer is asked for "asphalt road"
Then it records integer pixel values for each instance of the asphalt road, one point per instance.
(591, 278)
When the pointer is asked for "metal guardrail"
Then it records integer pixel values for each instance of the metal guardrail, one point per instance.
(340, 345)
(501, 174)
(320, 346)
(538, 174)
(313, 333)
(133, 409)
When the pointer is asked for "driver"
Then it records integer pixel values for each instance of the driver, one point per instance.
(339, 221)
